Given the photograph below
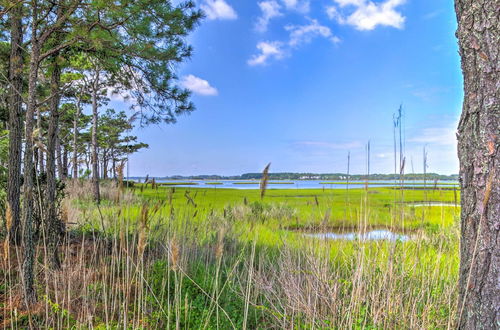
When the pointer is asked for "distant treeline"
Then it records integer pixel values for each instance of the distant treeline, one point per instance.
(315, 176)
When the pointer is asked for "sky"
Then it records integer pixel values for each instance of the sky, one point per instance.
(302, 83)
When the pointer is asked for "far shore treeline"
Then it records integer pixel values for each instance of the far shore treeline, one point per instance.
(312, 176)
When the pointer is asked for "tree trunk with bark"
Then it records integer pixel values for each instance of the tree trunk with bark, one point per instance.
(95, 158)
(53, 223)
(15, 126)
(105, 164)
(478, 150)
(40, 162)
(113, 169)
(65, 164)
(75, 138)
(29, 172)
(60, 167)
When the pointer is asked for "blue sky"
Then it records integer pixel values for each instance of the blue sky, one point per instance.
(301, 83)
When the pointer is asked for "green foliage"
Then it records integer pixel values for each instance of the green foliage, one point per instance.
(136, 45)
(112, 137)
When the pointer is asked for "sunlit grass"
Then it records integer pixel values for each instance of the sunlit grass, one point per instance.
(167, 257)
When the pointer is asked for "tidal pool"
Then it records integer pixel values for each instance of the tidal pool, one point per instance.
(373, 235)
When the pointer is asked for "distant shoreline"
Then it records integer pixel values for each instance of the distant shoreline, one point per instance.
(326, 177)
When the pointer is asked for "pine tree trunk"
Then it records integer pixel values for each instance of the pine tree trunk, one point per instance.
(87, 157)
(75, 139)
(105, 164)
(65, 161)
(39, 152)
(113, 165)
(478, 151)
(15, 127)
(54, 226)
(60, 168)
(95, 158)
(29, 172)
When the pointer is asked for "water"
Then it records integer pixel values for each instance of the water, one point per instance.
(374, 235)
(296, 184)
(427, 204)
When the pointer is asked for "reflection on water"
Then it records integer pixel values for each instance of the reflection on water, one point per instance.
(427, 204)
(374, 235)
(297, 184)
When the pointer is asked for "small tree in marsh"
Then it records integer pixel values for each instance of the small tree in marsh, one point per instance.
(114, 144)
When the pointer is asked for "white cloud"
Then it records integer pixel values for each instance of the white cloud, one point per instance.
(302, 34)
(344, 3)
(334, 14)
(120, 96)
(436, 136)
(383, 155)
(432, 14)
(335, 39)
(198, 85)
(270, 9)
(298, 35)
(302, 6)
(367, 15)
(218, 9)
(329, 145)
(273, 49)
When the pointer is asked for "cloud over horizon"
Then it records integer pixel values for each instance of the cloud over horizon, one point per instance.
(328, 145)
(436, 135)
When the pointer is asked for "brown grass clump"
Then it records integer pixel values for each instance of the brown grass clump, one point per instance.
(174, 254)
(111, 190)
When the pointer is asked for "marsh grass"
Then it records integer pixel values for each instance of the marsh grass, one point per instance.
(178, 184)
(177, 258)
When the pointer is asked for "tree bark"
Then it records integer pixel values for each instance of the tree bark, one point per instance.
(29, 169)
(65, 165)
(15, 126)
(105, 164)
(113, 169)
(39, 152)
(53, 223)
(478, 151)
(60, 168)
(95, 158)
(75, 138)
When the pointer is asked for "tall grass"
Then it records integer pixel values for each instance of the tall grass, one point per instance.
(162, 266)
